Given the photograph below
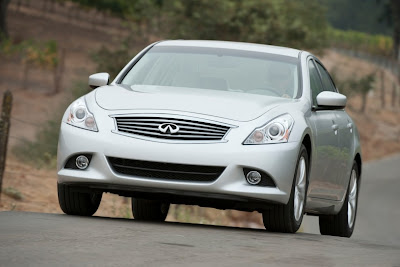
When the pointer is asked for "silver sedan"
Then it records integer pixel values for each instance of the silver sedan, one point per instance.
(216, 124)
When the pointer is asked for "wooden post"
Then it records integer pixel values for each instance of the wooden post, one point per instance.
(394, 95)
(4, 130)
(59, 72)
(25, 75)
(382, 89)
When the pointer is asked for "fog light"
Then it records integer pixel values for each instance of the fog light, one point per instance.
(253, 177)
(82, 162)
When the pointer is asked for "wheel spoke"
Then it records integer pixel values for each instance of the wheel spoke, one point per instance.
(352, 199)
(301, 197)
(300, 186)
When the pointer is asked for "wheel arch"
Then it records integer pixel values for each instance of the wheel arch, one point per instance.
(307, 143)
(358, 160)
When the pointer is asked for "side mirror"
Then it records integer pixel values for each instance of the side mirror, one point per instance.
(99, 79)
(331, 100)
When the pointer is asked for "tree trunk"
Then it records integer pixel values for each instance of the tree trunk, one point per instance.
(395, 6)
(18, 5)
(44, 7)
(3, 18)
(4, 131)
(396, 43)
(363, 102)
(394, 95)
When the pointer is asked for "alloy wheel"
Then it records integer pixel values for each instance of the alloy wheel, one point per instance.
(300, 189)
(352, 199)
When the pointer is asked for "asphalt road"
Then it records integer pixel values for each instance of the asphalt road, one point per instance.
(34, 239)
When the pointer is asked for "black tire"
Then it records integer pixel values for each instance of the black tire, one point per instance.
(149, 210)
(281, 218)
(338, 225)
(77, 203)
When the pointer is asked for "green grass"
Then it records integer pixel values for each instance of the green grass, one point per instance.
(13, 193)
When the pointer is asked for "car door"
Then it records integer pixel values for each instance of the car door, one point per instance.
(324, 166)
(345, 134)
(346, 142)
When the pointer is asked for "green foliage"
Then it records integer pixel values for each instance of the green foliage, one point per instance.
(43, 55)
(286, 23)
(290, 23)
(357, 15)
(278, 22)
(353, 86)
(40, 54)
(136, 10)
(372, 44)
(365, 84)
(42, 151)
(13, 193)
(340, 83)
(112, 61)
(206, 19)
(7, 47)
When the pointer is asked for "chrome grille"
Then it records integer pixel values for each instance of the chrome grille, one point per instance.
(190, 130)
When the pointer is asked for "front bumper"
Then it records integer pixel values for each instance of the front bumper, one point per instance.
(277, 160)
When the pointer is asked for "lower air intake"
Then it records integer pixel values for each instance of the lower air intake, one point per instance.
(165, 171)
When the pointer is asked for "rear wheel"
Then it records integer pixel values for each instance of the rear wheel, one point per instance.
(149, 210)
(287, 218)
(73, 202)
(342, 224)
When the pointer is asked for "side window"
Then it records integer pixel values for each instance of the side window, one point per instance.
(315, 81)
(326, 79)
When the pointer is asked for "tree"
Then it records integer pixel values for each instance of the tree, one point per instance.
(362, 87)
(3, 17)
(395, 6)
(356, 15)
(45, 56)
(355, 86)
(278, 22)
(391, 15)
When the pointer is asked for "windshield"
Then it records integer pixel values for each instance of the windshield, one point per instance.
(217, 69)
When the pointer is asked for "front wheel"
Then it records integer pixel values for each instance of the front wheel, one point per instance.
(149, 210)
(342, 224)
(287, 218)
(73, 202)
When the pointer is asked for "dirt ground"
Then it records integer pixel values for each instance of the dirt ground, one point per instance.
(29, 189)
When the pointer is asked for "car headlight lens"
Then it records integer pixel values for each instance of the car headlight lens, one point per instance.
(80, 116)
(275, 131)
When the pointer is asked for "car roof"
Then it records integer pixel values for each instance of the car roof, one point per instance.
(278, 50)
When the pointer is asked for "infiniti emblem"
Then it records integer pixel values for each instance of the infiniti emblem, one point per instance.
(168, 128)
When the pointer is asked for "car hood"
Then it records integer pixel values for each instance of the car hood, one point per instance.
(229, 105)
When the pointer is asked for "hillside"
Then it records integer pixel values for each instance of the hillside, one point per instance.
(379, 128)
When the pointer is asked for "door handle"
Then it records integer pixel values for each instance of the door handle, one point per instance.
(350, 127)
(335, 127)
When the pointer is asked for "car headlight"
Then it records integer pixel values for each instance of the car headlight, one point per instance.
(275, 131)
(80, 116)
